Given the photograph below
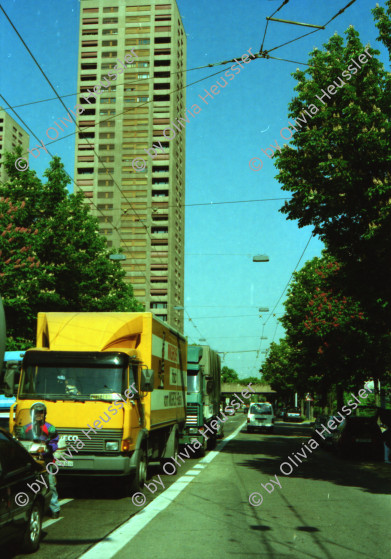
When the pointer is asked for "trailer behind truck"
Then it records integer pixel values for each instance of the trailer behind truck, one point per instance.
(203, 394)
(114, 385)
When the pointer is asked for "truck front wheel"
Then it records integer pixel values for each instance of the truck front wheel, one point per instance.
(140, 474)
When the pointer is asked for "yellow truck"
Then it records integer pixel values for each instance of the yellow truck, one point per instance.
(114, 385)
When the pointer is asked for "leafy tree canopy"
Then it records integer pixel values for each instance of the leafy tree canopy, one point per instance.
(338, 164)
(229, 375)
(52, 256)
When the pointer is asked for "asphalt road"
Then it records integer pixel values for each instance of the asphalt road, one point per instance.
(325, 508)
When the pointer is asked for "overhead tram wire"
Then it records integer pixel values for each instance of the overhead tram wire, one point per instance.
(286, 287)
(194, 325)
(267, 23)
(314, 31)
(130, 68)
(78, 127)
(129, 109)
(88, 201)
(219, 203)
(85, 128)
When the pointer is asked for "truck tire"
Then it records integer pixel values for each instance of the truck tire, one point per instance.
(32, 534)
(140, 474)
(202, 450)
(211, 443)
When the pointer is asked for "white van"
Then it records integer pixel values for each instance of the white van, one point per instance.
(260, 416)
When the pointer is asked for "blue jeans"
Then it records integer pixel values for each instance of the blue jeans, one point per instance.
(54, 506)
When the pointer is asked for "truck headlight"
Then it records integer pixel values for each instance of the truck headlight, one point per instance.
(112, 445)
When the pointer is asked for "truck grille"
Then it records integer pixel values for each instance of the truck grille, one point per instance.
(192, 415)
(96, 443)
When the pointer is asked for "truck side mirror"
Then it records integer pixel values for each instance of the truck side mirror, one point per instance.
(9, 382)
(147, 380)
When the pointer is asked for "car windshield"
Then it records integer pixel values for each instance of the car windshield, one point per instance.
(264, 409)
(69, 383)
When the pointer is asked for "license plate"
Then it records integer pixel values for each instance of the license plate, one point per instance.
(363, 440)
(68, 463)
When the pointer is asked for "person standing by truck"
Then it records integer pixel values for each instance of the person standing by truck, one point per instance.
(39, 430)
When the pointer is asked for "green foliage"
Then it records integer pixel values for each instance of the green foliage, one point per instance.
(229, 375)
(280, 369)
(53, 257)
(253, 380)
(338, 167)
(383, 23)
(326, 338)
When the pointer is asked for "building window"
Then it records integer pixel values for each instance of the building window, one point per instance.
(90, 21)
(110, 9)
(112, 43)
(89, 66)
(91, 43)
(109, 32)
(106, 146)
(162, 17)
(158, 305)
(110, 54)
(161, 97)
(92, 54)
(110, 20)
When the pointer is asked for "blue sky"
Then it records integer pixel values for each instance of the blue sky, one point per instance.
(223, 287)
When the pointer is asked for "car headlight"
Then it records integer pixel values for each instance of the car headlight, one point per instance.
(112, 445)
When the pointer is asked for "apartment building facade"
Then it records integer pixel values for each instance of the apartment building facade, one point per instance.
(141, 212)
(11, 135)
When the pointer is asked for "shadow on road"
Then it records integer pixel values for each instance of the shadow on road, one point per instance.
(268, 452)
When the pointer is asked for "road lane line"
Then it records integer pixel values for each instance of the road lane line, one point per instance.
(51, 521)
(119, 538)
(54, 520)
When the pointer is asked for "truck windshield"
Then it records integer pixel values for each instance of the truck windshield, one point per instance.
(193, 382)
(70, 383)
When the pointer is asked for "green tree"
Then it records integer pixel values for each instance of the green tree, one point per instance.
(229, 375)
(281, 369)
(338, 165)
(75, 272)
(253, 380)
(327, 329)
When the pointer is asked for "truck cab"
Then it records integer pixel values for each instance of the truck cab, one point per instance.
(203, 394)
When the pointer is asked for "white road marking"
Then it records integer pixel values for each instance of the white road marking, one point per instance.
(54, 520)
(51, 521)
(117, 540)
(64, 501)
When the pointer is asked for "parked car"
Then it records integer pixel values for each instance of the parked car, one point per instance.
(260, 416)
(358, 437)
(326, 439)
(17, 469)
(292, 414)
